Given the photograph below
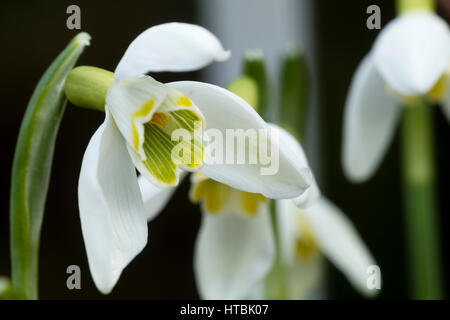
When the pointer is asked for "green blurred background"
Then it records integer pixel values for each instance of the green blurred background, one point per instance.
(33, 33)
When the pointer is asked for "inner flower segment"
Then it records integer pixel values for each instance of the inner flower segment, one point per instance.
(306, 246)
(215, 196)
(172, 138)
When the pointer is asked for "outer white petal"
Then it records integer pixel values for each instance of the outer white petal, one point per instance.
(295, 149)
(111, 208)
(413, 51)
(370, 118)
(233, 253)
(224, 110)
(170, 47)
(155, 199)
(341, 244)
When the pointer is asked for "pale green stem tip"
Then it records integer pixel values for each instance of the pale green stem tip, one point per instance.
(87, 87)
(246, 88)
(6, 289)
(404, 6)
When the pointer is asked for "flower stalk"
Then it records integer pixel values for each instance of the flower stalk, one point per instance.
(276, 280)
(87, 87)
(420, 202)
(32, 166)
(408, 5)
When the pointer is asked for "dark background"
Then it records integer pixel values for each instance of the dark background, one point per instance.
(33, 33)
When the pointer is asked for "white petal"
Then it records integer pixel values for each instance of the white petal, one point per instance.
(296, 151)
(170, 47)
(412, 52)
(111, 208)
(341, 244)
(224, 110)
(155, 199)
(370, 118)
(233, 253)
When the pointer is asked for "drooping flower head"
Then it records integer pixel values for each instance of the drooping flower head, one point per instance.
(142, 118)
(408, 62)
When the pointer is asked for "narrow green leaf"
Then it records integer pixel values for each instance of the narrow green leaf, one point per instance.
(294, 93)
(32, 165)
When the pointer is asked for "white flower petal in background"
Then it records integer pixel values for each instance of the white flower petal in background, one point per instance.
(370, 117)
(173, 47)
(225, 110)
(233, 253)
(341, 244)
(111, 209)
(307, 278)
(412, 52)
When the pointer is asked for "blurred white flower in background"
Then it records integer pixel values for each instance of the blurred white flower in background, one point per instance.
(409, 61)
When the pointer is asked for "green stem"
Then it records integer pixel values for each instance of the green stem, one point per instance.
(32, 165)
(420, 202)
(408, 5)
(276, 280)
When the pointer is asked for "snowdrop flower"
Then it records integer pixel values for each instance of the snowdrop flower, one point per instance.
(141, 115)
(408, 62)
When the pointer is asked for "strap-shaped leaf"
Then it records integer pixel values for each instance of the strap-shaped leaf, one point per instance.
(295, 90)
(32, 164)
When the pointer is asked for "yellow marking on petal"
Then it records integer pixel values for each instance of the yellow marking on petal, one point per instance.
(184, 101)
(200, 175)
(435, 94)
(198, 191)
(408, 100)
(306, 246)
(212, 194)
(250, 202)
(216, 196)
(142, 112)
(438, 91)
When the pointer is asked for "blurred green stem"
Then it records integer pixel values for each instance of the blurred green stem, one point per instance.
(276, 280)
(420, 202)
(407, 5)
